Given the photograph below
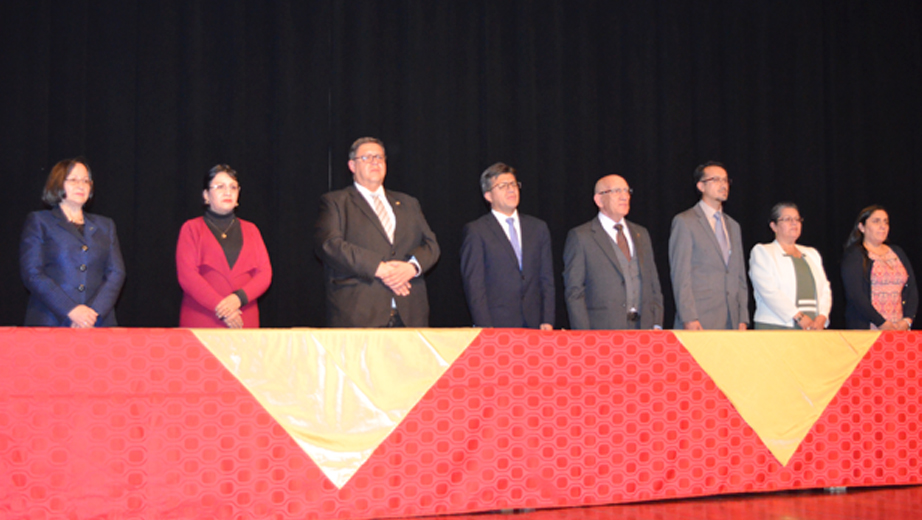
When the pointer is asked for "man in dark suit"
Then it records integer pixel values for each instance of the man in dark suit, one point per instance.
(609, 272)
(506, 260)
(706, 259)
(375, 247)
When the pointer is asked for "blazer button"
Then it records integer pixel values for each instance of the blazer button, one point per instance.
(85, 248)
(81, 287)
(83, 268)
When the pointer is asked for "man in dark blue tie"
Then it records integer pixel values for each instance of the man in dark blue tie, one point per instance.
(506, 260)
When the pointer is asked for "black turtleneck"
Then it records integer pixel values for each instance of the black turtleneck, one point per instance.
(226, 229)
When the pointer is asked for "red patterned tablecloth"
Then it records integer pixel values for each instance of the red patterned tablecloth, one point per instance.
(146, 423)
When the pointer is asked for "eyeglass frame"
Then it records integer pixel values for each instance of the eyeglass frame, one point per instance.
(503, 186)
(722, 180)
(371, 158)
(617, 191)
(234, 188)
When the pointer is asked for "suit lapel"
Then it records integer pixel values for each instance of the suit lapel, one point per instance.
(369, 212)
(397, 207)
(66, 225)
(709, 231)
(89, 227)
(604, 242)
(499, 234)
(635, 237)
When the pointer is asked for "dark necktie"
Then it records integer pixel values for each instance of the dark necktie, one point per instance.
(622, 242)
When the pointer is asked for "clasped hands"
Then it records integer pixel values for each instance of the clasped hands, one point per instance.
(82, 317)
(228, 310)
(396, 275)
(818, 323)
(900, 325)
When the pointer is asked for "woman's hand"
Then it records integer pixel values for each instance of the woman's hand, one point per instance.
(234, 321)
(819, 323)
(901, 325)
(227, 307)
(82, 317)
(806, 322)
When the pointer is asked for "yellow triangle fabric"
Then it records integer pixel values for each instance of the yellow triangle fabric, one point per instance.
(338, 393)
(779, 381)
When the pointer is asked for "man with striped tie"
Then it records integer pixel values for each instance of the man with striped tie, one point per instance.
(506, 260)
(375, 246)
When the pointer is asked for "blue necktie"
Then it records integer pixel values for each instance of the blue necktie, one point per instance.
(721, 237)
(514, 238)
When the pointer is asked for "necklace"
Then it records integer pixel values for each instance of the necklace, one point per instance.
(223, 233)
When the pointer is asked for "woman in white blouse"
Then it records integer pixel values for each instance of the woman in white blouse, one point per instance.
(790, 285)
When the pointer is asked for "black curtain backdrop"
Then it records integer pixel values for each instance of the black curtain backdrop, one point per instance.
(818, 102)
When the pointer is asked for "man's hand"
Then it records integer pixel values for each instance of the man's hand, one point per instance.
(546, 326)
(693, 325)
(396, 275)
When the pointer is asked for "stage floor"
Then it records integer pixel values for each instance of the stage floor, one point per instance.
(891, 503)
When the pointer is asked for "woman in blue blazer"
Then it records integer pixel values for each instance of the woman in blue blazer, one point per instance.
(69, 260)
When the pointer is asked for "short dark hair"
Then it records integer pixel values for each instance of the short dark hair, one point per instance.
(699, 171)
(778, 208)
(365, 140)
(214, 171)
(54, 187)
(494, 171)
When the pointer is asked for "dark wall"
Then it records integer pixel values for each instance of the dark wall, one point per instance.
(819, 102)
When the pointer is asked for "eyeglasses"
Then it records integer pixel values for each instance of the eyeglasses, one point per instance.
(503, 186)
(719, 180)
(234, 188)
(616, 191)
(799, 220)
(80, 182)
(371, 158)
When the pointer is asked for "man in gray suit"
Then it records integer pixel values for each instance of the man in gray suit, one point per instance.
(706, 259)
(609, 275)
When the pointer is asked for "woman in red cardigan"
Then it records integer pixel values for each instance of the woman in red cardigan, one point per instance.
(221, 260)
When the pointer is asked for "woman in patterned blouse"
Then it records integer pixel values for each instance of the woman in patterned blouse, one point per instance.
(880, 287)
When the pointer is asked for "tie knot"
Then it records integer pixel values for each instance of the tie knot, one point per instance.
(716, 215)
(510, 221)
(618, 227)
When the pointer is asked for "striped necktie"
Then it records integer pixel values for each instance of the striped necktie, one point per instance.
(384, 217)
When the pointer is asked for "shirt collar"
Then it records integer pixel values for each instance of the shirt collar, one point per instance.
(368, 193)
(708, 210)
(502, 218)
(608, 223)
